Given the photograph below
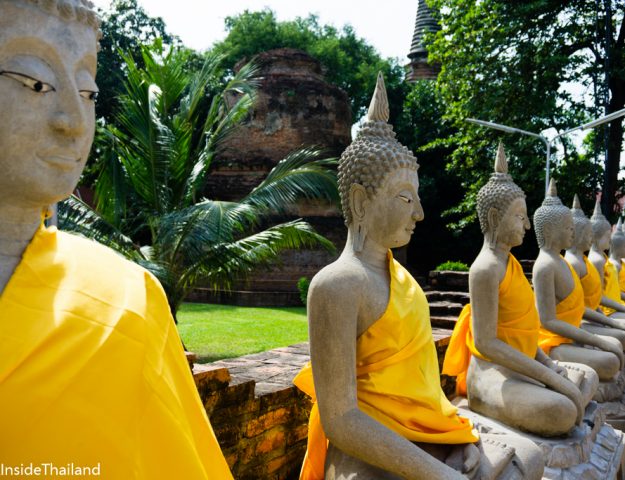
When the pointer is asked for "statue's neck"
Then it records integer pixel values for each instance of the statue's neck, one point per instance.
(371, 254)
(499, 249)
(596, 249)
(574, 250)
(553, 250)
(17, 227)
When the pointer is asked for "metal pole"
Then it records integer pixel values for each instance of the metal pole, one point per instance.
(585, 126)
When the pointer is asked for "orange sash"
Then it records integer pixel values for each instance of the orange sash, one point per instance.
(397, 377)
(517, 325)
(591, 284)
(92, 370)
(611, 287)
(569, 310)
(621, 277)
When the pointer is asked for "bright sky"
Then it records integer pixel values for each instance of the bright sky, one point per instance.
(387, 25)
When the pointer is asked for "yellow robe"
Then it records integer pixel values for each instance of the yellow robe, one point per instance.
(517, 325)
(569, 310)
(398, 380)
(611, 288)
(621, 277)
(92, 371)
(591, 284)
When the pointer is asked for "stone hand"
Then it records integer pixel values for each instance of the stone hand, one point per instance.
(570, 390)
(466, 460)
(615, 348)
(472, 455)
(558, 369)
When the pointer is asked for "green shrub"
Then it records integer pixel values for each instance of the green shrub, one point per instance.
(302, 285)
(453, 266)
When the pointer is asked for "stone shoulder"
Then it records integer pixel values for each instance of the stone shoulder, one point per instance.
(340, 278)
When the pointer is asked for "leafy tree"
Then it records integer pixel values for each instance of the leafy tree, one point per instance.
(511, 62)
(126, 26)
(153, 165)
(423, 129)
(350, 62)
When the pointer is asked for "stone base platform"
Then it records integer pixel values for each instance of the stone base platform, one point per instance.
(612, 401)
(594, 450)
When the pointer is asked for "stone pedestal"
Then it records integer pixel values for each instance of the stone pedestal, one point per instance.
(611, 401)
(593, 450)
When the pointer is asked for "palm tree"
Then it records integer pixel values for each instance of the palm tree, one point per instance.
(152, 168)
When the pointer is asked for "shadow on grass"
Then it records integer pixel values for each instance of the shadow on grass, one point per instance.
(210, 358)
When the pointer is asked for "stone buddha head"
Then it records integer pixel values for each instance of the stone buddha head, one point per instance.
(378, 181)
(501, 206)
(583, 228)
(601, 229)
(47, 98)
(553, 222)
(617, 241)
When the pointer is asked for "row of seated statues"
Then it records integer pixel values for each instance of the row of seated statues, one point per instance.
(530, 358)
(92, 370)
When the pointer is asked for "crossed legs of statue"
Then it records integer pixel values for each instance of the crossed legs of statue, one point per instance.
(605, 364)
(504, 457)
(520, 402)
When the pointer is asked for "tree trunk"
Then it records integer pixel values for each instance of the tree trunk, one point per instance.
(615, 128)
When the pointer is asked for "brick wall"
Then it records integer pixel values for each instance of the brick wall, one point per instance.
(259, 417)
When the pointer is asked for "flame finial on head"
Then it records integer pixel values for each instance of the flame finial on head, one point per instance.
(619, 225)
(553, 190)
(576, 203)
(597, 213)
(378, 109)
(501, 162)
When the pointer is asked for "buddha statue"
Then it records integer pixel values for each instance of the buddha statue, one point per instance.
(560, 296)
(380, 412)
(595, 321)
(611, 303)
(494, 348)
(92, 371)
(617, 252)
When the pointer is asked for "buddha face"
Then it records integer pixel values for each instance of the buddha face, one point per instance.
(583, 240)
(602, 239)
(393, 211)
(513, 224)
(565, 232)
(618, 246)
(47, 90)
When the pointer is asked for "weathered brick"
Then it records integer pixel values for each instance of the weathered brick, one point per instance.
(267, 421)
(297, 433)
(228, 435)
(271, 440)
(277, 463)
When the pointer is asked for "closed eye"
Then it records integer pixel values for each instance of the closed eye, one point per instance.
(406, 199)
(30, 82)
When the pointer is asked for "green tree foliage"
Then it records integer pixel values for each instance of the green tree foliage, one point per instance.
(350, 62)
(423, 129)
(152, 169)
(125, 28)
(510, 62)
(452, 266)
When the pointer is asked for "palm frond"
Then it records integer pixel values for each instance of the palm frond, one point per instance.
(301, 174)
(76, 216)
(221, 264)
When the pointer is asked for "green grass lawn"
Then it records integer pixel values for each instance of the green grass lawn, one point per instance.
(224, 331)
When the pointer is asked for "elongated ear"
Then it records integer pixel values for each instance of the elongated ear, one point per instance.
(358, 201)
(493, 218)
